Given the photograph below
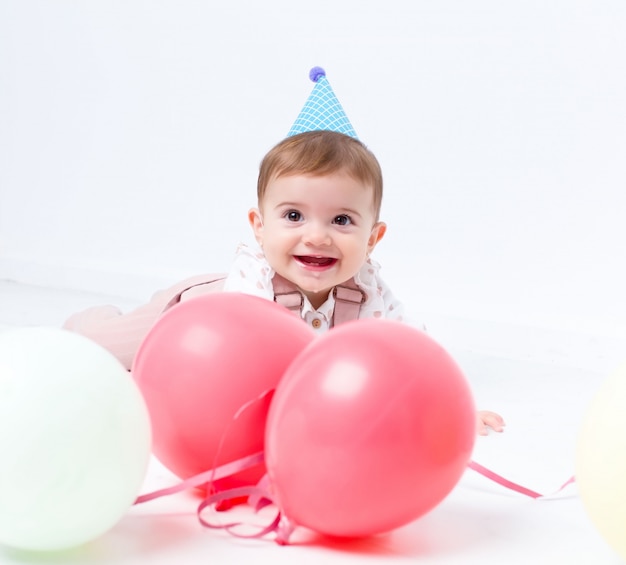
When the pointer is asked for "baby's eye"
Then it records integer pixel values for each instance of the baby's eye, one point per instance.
(342, 220)
(293, 216)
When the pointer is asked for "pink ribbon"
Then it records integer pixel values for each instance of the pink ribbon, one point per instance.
(223, 471)
(206, 477)
(514, 486)
(259, 496)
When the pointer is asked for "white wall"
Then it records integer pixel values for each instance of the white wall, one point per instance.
(131, 132)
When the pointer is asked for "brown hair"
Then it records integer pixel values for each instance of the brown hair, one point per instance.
(322, 153)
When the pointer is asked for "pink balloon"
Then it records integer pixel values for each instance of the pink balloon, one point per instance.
(371, 427)
(200, 364)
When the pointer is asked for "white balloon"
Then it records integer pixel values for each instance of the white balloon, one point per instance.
(75, 439)
(601, 461)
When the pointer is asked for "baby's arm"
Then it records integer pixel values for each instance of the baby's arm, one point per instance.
(119, 333)
(122, 334)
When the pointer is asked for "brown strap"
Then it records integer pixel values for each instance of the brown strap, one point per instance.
(348, 296)
(287, 294)
(348, 299)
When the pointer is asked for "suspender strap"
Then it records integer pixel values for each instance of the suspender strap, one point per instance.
(348, 296)
(348, 299)
(287, 294)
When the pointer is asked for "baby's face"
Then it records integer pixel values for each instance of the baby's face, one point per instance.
(317, 231)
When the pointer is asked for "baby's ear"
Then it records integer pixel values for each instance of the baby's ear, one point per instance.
(256, 222)
(378, 232)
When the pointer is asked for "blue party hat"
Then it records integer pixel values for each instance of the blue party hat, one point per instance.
(322, 110)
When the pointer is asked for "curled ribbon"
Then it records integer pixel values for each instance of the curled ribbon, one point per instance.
(259, 496)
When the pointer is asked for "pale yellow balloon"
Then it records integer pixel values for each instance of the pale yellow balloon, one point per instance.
(601, 461)
(75, 439)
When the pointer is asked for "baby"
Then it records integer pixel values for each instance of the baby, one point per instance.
(319, 196)
(317, 221)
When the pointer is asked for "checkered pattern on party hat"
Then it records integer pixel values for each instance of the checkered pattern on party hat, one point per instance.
(322, 110)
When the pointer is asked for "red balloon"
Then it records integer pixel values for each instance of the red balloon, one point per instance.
(371, 427)
(200, 364)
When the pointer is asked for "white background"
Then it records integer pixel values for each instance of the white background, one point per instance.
(130, 136)
(131, 132)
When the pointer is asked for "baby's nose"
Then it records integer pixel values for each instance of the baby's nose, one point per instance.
(317, 234)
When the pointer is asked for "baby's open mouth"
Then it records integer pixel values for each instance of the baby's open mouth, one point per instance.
(313, 261)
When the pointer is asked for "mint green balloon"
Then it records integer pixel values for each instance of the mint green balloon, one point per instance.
(75, 439)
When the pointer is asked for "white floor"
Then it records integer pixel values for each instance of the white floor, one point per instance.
(540, 380)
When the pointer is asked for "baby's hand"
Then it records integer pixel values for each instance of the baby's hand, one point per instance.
(487, 419)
